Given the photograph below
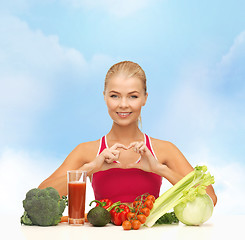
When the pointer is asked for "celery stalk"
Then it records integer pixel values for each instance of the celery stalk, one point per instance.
(185, 190)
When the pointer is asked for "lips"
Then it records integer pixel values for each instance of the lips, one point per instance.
(123, 114)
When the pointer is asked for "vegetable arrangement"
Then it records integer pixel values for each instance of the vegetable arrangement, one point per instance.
(188, 199)
(187, 190)
(141, 210)
(43, 207)
(98, 216)
(121, 213)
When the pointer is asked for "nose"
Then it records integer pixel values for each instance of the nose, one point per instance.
(123, 103)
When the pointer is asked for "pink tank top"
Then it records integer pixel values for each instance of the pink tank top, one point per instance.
(125, 185)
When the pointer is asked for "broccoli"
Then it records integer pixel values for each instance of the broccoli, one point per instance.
(168, 218)
(43, 207)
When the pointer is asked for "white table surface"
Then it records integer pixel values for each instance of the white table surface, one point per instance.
(218, 227)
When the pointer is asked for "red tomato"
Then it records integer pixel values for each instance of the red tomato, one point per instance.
(148, 204)
(136, 204)
(141, 218)
(136, 224)
(151, 197)
(146, 211)
(130, 215)
(126, 225)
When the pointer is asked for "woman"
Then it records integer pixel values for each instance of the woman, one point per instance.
(126, 162)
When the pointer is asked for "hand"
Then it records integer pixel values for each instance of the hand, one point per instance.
(108, 156)
(147, 162)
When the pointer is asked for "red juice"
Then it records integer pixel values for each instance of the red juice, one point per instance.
(76, 202)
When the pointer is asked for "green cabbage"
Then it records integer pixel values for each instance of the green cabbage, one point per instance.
(195, 212)
(187, 189)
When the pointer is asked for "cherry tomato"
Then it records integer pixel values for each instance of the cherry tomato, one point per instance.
(141, 218)
(126, 225)
(146, 211)
(151, 197)
(148, 204)
(136, 224)
(130, 215)
(136, 203)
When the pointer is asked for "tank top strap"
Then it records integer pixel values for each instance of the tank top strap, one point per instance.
(102, 145)
(148, 144)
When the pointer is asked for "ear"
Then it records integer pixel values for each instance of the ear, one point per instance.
(104, 94)
(146, 96)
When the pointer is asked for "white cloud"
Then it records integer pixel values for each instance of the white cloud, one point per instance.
(191, 110)
(28, 50)
(14, 6)
(114, 7)
(229, 180)
(230, 189)
(21, 171)
(34, 67)
(30, 64)
(205, 118)
(208, 101)
(237, 50)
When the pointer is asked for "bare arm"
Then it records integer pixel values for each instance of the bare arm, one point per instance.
(83, 157)
(171, 163)
(175, 165)
(79, 158)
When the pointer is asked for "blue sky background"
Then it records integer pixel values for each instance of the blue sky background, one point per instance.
(53, 59)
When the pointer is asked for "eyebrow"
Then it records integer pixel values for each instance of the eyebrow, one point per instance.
(113, 91)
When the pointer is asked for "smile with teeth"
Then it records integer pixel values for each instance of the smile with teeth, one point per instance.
(124, 114)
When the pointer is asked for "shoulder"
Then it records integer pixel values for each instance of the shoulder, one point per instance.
(88, 150)
(162, 144)
(164, 150)
(167, 153)
(89, 145)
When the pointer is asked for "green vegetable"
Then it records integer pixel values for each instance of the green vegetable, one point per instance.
(43, 207)
(168, 218)
(25, 219)
(185, 190)
(98, 216)
(195, 212)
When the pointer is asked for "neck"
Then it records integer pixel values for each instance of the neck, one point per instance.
(124, 133)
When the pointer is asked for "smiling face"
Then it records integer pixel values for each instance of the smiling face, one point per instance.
(124, 98)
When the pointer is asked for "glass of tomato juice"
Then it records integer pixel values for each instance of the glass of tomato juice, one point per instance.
(76, 184)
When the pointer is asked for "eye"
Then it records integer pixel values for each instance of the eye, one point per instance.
(113, 96)
(133, 96)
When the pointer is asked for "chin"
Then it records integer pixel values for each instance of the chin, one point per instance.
(126, 123)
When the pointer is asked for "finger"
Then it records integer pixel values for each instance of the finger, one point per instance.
(118, 145)
(142, 149)
(137, 146)
(116, 153)
(111, 160)
(140, 145)
(132, 145)
(110, 157)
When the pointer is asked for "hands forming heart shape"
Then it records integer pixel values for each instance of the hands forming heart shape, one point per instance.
(147, 161)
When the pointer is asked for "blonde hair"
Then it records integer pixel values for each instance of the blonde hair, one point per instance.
(128, 69)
